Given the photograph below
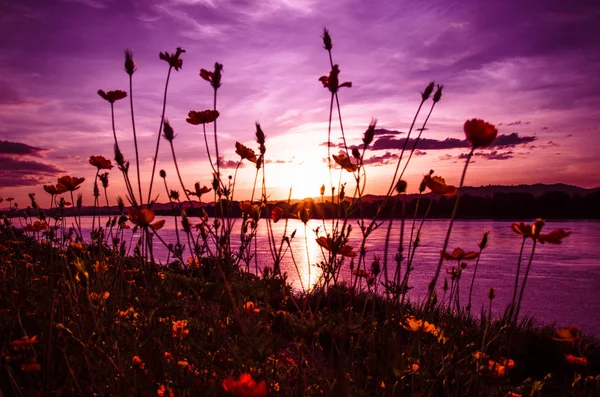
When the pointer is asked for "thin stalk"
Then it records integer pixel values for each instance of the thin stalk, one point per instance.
(447, 240)
(162, 119)
(514, 297)
(473, 280)
(137, 159)
(516, 318)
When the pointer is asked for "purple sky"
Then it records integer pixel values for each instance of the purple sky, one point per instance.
(530, 67)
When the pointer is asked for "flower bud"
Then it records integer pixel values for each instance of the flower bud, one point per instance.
(355, 153)
(484, 240)
(322, 191)
(327, 43)
(163, 174)
(491, 293)
(428, 90)
(168, 132)
(369, 133)
(129, 62)
(401, 186)
(438, 94)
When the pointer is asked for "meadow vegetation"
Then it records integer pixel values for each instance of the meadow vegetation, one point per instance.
(80, 317)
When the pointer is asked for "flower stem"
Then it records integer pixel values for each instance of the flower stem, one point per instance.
(137, 158)
(516, 317)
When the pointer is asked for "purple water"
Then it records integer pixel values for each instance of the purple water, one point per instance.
(563, 285)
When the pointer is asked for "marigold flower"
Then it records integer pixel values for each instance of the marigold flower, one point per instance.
(245, 153)
(459, 255)
(245, 386)
(173, 59)
(567, 334)
(344, 161)
(112, 96)
(100, 162)
(276, 214)
(203, 117)
(69, 183)
(479, 132)
(554, 237)
(576, 360)
(180, 328)
(438, 185)
(143, 218)
(326, 243)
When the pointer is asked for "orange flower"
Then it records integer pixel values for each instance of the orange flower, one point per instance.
(245, 153)
(37, 226)
(143, 218)
(248, 208)
(513, 394)
(100, 162)
(250, 308)
(459, 255)
(138, 362)
(332, 81)
(362, 273)
(214, 78)
(165, 391)
(344, 162)
(567, 334)
(245, 386)
(168, 356)
(528, 231)
(480, 133)
(173, 59)
(180, 328)
(55, 190)
(576, 360)
(554, 237)
(24, 341)
(412, 324)
(69, 183)
(203, 117)
(276, 214)
(326, 243)
(112, 96)
(437, 185)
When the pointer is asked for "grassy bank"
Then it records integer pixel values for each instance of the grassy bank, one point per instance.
(86, 320)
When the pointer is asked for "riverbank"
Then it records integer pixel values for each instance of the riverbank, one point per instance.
(89, 320)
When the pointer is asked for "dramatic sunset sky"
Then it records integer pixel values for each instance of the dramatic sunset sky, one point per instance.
(529, 67)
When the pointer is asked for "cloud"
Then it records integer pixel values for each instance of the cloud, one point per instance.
(387, 158)
(228, 164)
(16, 148)
(14, 172)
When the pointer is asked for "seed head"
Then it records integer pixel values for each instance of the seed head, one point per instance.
(327, 43)
(168, 132)
(162, 174)
(428, 90)
(129, 62)
(438, 93)
(369, 133)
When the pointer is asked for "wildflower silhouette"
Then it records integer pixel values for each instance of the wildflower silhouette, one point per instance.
(203, 117)
(112, 96)
(100, 162)
(143, 217)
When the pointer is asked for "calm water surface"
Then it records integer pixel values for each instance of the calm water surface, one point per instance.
(563, 285)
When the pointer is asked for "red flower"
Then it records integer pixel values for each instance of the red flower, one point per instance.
(532, 231)
(459, 255)
(554, 237)
(245, 153)
(100, 162)
(54, 190)
(437, 185)
(214, 78)
(326, 243)
(276, 214)
(480, 133)
(143, 217)
(203, 117)
(576, 360)
(173, 59)
(332, 81)
(245, 386)
(69, 183)
(112, 96)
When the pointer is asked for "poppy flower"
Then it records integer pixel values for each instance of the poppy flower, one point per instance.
(165, 391)
(567, 334)
(55, 189)
(245, 153)
(138, 362)
(480, 133)
(332, 81)
(112, 96)
(412, 324)
(459, 255)
(179, 328)
(245, 386)
(438, 185)
(214, 78)
(173, 59)
(326, 243)
(576, 360)
(554, 237)
(203, 117)
(276, 214)
(344, 161)
(250, 308)
(143, 217)
(69, 183)
(100, 162)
